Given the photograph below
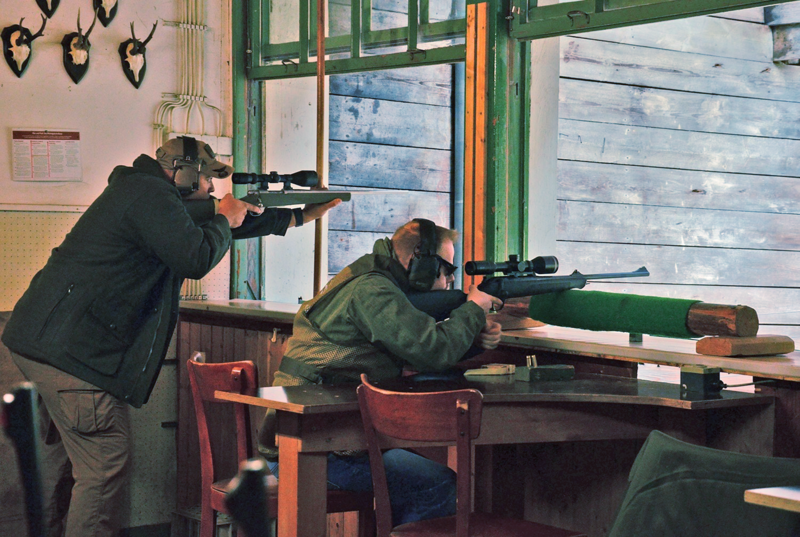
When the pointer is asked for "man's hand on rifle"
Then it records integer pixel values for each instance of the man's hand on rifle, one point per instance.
(235, 210)
(489, 337)
(484, 300)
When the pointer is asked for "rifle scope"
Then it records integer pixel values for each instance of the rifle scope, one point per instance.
(538, 265)
(301, 178)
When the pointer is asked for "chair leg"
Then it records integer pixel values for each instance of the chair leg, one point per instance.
(208, 523)
(366, 523)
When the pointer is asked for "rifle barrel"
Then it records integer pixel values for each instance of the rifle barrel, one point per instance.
(640, 272)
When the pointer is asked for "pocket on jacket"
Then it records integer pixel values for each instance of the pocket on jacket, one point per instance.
(88, 411)
(101, 337)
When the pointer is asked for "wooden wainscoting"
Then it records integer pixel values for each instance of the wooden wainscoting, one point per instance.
(223, 338)
(228, 338)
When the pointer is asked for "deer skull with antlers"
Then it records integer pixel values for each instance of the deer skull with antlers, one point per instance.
(48, 7)
(76, 47)
(131, 53)
(17, 42)
(106, 10)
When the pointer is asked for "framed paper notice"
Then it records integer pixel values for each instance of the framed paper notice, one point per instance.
(46, 155)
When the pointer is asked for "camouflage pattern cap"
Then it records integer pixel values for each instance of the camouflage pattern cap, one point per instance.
(176, 153)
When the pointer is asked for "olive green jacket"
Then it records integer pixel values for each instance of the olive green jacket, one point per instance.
(362, 322)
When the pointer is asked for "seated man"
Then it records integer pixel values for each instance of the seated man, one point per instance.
(362, 322)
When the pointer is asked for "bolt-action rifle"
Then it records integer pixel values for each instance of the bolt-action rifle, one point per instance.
(521, 278)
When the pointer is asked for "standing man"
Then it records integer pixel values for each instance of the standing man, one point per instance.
(362, 322)
(202, 206)
(92, 330)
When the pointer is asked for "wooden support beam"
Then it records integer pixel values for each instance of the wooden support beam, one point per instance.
(474, 239)
(319, 223)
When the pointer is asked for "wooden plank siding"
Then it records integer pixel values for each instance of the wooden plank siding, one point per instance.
(678, 150)
(588, 59)
(712, 36)
(390, 133)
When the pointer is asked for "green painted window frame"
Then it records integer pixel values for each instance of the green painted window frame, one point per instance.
(296, 57)
(530, 21)
(512, 22)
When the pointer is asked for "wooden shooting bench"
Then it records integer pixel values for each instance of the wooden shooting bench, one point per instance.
(313, 420)
(573, 471)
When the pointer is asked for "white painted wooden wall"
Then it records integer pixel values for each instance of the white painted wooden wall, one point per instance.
(116, 125)
(678, 150)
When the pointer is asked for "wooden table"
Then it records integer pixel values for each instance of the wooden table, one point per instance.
(654, 350)
(313, 420)
(786, 498)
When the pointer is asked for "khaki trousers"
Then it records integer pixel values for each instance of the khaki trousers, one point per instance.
(95, 432)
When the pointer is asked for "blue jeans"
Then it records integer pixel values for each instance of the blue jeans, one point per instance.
(419, 488)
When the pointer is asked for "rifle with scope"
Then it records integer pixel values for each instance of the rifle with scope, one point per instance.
(307, 178)
(521, 279)
(260, 194)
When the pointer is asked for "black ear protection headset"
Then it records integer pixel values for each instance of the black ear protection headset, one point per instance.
(187, 164)
(424, 266)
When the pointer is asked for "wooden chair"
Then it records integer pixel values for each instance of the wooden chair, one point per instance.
(241, 377)
(451, 417)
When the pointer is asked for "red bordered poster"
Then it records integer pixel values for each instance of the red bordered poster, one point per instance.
(46, 155)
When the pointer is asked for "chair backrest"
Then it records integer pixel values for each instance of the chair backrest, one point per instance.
(450, 417)
(205, 379)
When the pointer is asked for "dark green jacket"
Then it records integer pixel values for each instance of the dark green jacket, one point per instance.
(105, 305)
(273, 221)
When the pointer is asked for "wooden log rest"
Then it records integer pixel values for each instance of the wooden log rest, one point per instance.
(722, 320)
(731, 331)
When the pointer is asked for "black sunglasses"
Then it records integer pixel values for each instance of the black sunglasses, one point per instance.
(449, 268)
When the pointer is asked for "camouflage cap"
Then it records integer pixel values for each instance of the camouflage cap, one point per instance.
(174, 152)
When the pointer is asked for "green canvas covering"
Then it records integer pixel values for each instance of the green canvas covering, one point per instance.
(616, 312)
(682, 490)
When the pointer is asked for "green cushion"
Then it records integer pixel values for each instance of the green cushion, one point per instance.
(596, 310)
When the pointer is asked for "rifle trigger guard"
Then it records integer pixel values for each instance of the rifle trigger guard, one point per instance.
(260, 203)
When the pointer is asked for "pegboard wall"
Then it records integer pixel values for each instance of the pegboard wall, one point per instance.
(215, 286)
(26, 239)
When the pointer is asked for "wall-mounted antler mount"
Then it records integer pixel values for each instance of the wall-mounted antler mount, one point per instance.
(76, 47)
(132, 54)
(17, 45)
(106, 10)
(48, 7)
